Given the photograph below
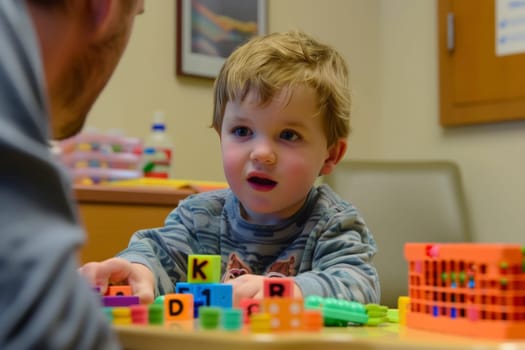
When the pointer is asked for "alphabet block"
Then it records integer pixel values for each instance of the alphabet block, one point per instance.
(178, 307)
(204, 268)
(208, 294)
(124, 290)
(249, 307)
(278, 287)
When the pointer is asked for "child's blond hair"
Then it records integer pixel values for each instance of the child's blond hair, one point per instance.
(271, 63)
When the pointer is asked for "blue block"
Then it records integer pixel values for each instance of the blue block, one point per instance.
(185, 287)
(196, 305)
(210, 294)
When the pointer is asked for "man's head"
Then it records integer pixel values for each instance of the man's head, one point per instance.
(81, 42)
(270, 64)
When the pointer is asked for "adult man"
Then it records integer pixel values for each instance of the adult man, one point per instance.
(56, 57)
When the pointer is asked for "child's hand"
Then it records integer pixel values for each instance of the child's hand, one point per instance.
(246, 286)
(252, 286)
(118, 271)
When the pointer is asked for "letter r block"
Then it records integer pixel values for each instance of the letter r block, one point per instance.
(178, 307)
(204, 268)
(278, 287)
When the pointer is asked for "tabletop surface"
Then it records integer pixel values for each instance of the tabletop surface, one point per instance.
(130, 195)
(182, 336)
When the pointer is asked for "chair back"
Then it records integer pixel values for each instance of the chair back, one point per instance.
(403, 201)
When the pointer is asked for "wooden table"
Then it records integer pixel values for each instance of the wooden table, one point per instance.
(111, 214)
(388, 336)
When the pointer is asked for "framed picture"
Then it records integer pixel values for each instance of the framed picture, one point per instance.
(208, 31)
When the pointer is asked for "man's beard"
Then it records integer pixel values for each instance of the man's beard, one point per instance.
(80, 87)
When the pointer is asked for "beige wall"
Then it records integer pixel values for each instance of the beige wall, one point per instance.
(391, 48)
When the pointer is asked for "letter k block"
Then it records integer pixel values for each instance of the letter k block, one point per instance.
(204, 268)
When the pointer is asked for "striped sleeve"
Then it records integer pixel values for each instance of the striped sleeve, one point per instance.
(341, 260)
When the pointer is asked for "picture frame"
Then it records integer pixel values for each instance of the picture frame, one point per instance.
(208, 31)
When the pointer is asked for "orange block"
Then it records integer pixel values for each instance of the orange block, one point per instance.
(313, 320)
(178, 307)
(124, 290)
(285, 313)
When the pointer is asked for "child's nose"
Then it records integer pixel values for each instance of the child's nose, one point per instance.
(263, 153)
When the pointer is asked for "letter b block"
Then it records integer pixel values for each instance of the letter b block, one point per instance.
(204, 268)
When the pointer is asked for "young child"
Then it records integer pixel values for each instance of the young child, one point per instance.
(282, 108)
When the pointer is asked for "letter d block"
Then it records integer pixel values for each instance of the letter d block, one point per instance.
(204, 268)
(178, 307)
(278, 287)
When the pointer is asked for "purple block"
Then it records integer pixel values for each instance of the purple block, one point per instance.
(119, 300)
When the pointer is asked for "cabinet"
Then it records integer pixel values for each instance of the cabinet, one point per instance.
(476, 85)
(110, 215)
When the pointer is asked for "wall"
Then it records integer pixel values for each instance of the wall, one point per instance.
(490, 156)
(145, 80)
(391, 46)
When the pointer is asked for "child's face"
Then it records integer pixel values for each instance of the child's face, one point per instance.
(272, 154)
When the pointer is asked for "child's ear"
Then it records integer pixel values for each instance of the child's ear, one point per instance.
(335, 154)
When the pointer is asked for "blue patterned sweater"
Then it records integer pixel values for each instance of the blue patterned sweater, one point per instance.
(326, 245)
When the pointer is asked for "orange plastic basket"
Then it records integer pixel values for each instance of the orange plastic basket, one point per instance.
(470, 289)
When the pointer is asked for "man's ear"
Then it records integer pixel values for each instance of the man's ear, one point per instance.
(99, 14)
(335, 154)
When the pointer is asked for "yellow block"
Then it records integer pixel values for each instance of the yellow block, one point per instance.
(204, 268)
(403, 304)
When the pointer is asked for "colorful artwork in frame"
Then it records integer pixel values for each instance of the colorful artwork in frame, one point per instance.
(209, 30)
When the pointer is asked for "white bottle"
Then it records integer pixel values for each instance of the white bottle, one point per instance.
(158, 150)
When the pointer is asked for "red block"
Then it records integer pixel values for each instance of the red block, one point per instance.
(278, 287)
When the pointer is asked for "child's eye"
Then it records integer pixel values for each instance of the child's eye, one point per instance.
(290, 135)
(241, 131)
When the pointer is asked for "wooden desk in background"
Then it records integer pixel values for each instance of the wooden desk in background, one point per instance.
(388, 336)
(111, 215)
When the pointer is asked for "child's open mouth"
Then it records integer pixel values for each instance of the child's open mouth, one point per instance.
(261, 184)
